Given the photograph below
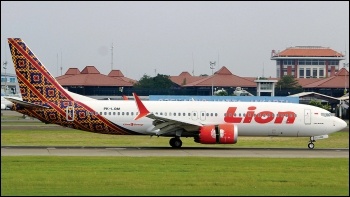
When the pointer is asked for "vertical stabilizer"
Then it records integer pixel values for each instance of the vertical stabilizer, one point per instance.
(35, 82)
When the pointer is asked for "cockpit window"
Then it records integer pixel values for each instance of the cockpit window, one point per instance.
(327, 114)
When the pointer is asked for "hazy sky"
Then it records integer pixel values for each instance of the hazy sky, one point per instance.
(171, 37)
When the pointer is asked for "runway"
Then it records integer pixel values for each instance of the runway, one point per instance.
(170, 152)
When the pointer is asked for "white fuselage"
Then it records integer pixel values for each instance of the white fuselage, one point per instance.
(251, 118)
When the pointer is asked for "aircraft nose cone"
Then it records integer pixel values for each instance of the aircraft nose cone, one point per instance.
(343, 124)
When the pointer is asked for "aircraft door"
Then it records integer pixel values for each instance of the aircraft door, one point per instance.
(202, 115)
(70, 113)
(307, 116)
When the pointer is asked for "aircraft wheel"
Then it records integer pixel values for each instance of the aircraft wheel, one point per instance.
(311, 145)
(175, 142)
(171, 142)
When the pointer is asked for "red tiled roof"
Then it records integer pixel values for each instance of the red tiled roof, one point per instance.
(309, 52)
(336, 81)
(119, 75)
(223, 71)
(73, 71)
(222, 78)
(90, 70)
(116, 73)
(342, 72)
(305, 81)
(90, 76)
(185, 78)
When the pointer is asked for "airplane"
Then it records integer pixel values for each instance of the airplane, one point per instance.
(6, 104)
(205, 121)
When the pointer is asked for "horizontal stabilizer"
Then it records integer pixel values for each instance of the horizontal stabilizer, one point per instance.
(25, 104)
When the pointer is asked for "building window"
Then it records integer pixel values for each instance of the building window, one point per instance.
(308, 73)
(321, 73)
(333, 62)
(314, 62)
(301, 73)
(314, 72)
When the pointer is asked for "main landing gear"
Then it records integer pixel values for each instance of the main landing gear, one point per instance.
(175, 142)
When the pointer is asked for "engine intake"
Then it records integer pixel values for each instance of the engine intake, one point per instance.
(217, 134)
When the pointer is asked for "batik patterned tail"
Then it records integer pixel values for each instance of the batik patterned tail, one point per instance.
(35, 82)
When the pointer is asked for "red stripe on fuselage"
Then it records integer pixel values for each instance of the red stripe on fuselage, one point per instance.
(103, 119)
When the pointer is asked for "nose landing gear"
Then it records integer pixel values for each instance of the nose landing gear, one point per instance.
(314, 138)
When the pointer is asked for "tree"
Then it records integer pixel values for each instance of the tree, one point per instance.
(318, 103)
(221, 92)
(288, 82)
(158, 82)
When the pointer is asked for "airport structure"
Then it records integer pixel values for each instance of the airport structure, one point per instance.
(9, 84)
(307, 62)
(317, 69)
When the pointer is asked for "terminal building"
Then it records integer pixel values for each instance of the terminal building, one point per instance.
(307, 62)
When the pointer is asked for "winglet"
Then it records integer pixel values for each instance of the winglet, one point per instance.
(142, 109)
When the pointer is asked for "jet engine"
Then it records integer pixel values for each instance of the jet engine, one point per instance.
(217, 134)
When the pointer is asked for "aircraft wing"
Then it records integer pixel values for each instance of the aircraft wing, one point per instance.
(25, 103)
(165, 124)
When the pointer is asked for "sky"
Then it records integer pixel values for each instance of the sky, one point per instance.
(170, 37)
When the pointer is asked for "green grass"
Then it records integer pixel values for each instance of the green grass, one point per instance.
(202, 176)
(147, 176)
(23, 133)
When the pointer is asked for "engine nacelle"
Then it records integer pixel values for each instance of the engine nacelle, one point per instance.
(218, 134)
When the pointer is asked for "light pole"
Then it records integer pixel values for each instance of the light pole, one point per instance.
(212, 66)
(345, 65)
(5, 67)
